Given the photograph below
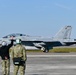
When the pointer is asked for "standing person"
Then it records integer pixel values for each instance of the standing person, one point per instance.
(4, 53)
(18, 53)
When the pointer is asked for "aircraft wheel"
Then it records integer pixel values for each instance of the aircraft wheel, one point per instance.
(46, 51)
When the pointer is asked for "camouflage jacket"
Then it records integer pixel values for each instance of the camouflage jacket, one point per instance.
(18, 51)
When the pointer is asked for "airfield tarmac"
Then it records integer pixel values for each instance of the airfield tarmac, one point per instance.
(49, 64)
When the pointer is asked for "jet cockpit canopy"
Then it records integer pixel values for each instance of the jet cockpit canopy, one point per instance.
(14, 35)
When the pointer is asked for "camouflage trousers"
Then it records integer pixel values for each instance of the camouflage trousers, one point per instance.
(6, 67)
(20, 68)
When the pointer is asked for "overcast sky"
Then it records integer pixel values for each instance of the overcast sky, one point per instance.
(37, 17)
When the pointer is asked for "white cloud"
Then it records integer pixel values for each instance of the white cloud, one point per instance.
(62, 6)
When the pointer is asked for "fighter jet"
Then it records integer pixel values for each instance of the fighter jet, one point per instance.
(62, 38)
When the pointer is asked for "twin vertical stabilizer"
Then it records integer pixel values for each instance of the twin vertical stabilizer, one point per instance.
(64, 33)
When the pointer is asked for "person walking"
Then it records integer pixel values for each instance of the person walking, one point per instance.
(4, 53)
(18, 54)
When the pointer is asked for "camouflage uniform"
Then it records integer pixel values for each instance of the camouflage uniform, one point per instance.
(19, 51)
(6, 66)
(4, 53)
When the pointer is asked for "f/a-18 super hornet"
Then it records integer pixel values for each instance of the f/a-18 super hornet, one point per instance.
(62, 38)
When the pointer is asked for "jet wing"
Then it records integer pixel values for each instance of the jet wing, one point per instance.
(40, 44)
(70, 43)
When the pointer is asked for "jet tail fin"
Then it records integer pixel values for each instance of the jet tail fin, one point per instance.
(64, 33)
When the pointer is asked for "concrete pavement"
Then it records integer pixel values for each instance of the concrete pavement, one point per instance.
(49, 64)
